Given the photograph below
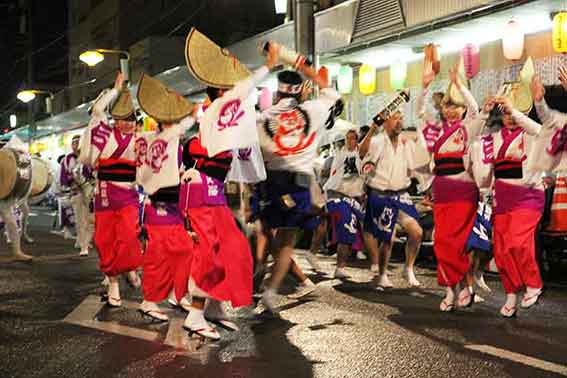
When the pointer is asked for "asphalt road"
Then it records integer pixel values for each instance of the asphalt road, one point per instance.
(52, 324)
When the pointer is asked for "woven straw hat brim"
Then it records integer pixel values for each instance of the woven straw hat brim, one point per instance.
(8, 169)
(161, 103)
(454, 95)
(210, 64)
(123, 108)
(520, 96)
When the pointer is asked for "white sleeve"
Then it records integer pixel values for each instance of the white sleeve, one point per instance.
(423, 112)
(319, 108)
(549, 117)
(470, 102)
(99, 107)
(243, 88)
(531, 127)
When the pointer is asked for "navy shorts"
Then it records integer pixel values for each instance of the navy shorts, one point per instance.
(346, 215)
(382, 214)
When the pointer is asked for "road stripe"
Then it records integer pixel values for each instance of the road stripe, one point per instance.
(520, 358)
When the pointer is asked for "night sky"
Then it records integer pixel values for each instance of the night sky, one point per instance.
(226, 21)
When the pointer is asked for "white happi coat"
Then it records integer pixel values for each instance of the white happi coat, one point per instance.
(346, 173)
(101, 140)
(288, 132)
(157, 159)
(550, 147)
(438, 137)
(504, 144)
(229, 122)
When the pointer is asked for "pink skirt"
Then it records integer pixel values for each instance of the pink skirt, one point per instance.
(222, 259)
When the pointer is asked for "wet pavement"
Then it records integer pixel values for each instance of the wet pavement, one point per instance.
(52, 324)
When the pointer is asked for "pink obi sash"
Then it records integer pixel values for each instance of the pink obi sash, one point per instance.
(112, 197)
(162, 214)
(446, 189)
(510, 197)
(209, 192)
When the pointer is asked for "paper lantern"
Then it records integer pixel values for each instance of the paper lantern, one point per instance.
(149, 125)
(471, 59)
(513, 41)
(398, 75)
(265, 99)
(344, 81)
(559, 34)
(324, 74)
(367, 79)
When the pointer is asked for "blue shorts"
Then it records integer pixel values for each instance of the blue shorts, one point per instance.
(382, 214)
(286, 206)
(346, 215)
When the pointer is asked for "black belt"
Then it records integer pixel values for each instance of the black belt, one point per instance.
(169, 194)
(118, 177)
(389, 193)
(446, 166)
(292, 180)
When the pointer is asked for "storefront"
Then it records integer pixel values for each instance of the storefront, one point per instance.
(369, 76)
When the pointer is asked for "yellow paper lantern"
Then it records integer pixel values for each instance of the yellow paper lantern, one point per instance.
(513, 41)
(367, 79)
(398, 75)
(150, 125)
(559, 34)
(344, 80)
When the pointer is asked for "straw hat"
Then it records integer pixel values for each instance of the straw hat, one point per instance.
(453, 94)
(123, 107)
(211, 64)
(519, 94)
(161, 103)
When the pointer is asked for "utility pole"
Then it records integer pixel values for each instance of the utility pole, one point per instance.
(304, 22)
(31, 104)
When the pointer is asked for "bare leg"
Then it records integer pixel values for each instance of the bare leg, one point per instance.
(12, 228)
(343, 252)
(282, 251)
(415, 234)
(372, 245)
(25, 208)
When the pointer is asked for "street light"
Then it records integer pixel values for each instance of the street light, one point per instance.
(281, 6)
(94, 57)
(13, 120)
(29, 94)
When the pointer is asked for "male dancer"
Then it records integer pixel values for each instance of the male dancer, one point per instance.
(110, 151)
(288, 133)
(81, 208)
(345, 189)
(389, 160)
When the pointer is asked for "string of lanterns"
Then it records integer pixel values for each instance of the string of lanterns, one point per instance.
(512, 47)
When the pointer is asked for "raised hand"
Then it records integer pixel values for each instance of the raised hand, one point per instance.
(563, 77)
(537, 89)
(489, 104)
(428, 74)
(119, 81)
(273, 55)
(454, 75)
(505, 104)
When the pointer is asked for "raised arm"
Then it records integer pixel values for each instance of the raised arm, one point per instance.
(365, 144)
(470, 102)
(421, 101)
(244, 88)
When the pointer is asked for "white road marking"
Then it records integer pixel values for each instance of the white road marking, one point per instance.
(520, 358)
(84, 315)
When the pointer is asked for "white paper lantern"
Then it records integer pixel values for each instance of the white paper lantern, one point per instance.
(513, 41)
(344, 81)
(281, 6)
